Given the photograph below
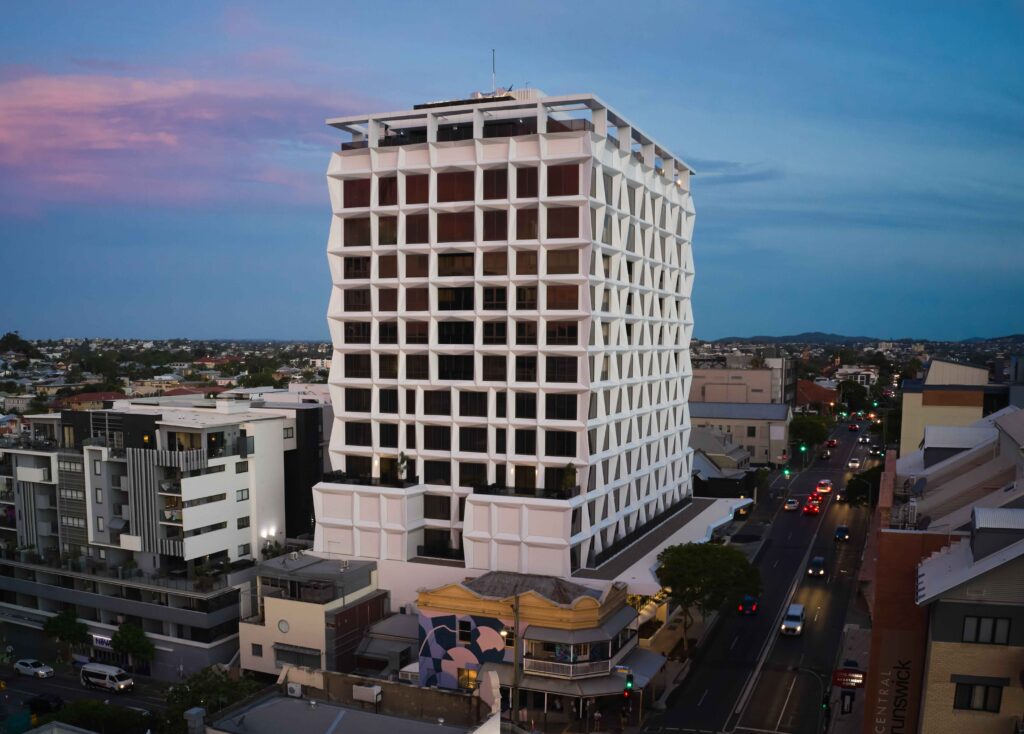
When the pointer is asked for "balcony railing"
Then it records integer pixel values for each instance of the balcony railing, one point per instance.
(27, 442)
(538, 492)
(7, 496)
(340, 477)
(440, 551)
(170, 486)
(566, 670)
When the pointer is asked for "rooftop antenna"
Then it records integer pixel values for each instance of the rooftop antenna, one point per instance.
(494, 87)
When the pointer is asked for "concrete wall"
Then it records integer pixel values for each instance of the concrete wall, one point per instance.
(762, 448)
(712, 385)
(917, 414)
(305, 624)
(519, 534)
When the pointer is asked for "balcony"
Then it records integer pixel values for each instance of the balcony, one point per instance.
(567, 670)
(115, 452)
(6, 496)
(340, 477)
(171, 516)
(169, 486)
(28, 443)
(34, 474)
(536, 492)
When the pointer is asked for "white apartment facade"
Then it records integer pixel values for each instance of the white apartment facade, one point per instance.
(511, 313)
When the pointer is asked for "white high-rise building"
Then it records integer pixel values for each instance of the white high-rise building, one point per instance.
(511, 313)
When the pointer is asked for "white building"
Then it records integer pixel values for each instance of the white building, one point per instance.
(511, 312)
(866, 376)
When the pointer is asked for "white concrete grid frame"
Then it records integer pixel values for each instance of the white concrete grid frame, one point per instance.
(628, 438)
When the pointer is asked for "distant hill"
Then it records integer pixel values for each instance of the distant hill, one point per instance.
(821, 337)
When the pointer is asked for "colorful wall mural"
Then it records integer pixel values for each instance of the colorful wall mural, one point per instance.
(453, 647)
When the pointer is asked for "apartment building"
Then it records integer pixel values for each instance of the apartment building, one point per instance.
(511, 322)
(744, 379)
(762, 429)
(152, 512)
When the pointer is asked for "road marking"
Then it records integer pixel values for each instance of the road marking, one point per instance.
(816, 613)
(734, 642)
(776, 563)
(703, 696)
(786, 703)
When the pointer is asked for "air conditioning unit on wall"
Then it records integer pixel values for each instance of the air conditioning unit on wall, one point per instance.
(295, 690)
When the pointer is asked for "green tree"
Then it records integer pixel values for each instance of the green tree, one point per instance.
(67, 630)
(209, 688)
(808, 429)
(703, 577)
(853, 394)
(130, 640)
(862, 489)
(97, 716)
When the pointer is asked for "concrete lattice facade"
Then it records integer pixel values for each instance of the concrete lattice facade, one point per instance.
(510, 310)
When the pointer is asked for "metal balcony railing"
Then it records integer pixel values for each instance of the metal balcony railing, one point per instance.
(566, 670)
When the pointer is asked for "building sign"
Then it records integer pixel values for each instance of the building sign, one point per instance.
(848, 678)
(101, 641)
(893, 714)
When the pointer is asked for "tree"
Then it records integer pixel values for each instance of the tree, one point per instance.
(862, 489)
(703, 577)
(97, 716)
(209, 688)
(808, 429)
(67, 630)
(853, 394)
(130, 640)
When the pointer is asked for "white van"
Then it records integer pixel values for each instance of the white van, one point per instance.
(110, 677)
(793, 622)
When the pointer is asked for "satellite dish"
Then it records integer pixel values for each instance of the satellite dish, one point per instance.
(918, 489)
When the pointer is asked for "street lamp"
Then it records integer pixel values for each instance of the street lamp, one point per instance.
(516, 657)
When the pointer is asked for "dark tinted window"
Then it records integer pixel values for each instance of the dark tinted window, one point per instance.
(388, 435)
(387, 266)
(357, 193)
(417, 299)
(387, 191)
(495, 263)
(526, 405)
(416, 266)
(473, 439)
(437, 438)
(564, 180)
(357, 365)
(416, 189)
(416, 332)
(526, 224)
(387, 332)
(526, 441)
(357, 332)
(357, 232)
(455, 332)
(388, 401)
(387, 230)
(496, 183)
(495, 369)
(561, 333)
(473, 404)
(357, 434)
(455, 186)
(417, 229)
(387, 299)
(561, 369)
(357, 400)
(455, 227)
(526, 333)
(559, 443)
(455, 264)
(563, 222)
(437, 402)
(526, 368)
(495, 226)
(563, 262)
(526, 298)
(560, 407)
(417, 367)
(357, 267)
(562, 297)
(455, 299)
(495, 332)
(495, 298)
(526, 183)
(387, 366)
(357, 300)
(454, 367)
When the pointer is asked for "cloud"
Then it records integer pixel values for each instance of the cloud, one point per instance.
(101, 137)
(725, 173)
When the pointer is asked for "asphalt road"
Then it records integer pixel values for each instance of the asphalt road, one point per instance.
(20, 688)
(782, 700)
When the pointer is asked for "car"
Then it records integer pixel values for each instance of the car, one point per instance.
(791, 504)
(747, 605)
(840, 496)
(110, 677)
(31, 666)
(876, 450)
(842, 533)
(793, 622)
(853, 463)
(815, 499)
(863, 439)
(832, 443)
(811, 509)
(824, 485)
(817, 566)
(825, 454)
(853, 427)
(44, 703)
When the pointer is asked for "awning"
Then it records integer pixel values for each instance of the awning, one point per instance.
(284, 647)
(644, 665)
(611, 627)
(377, 648)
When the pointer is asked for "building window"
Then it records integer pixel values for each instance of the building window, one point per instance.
(496, 183)
(387, 366)
(357, 268)
(559, 443)
(357, 232)
(972, 697)
(242, 467)
(751, 431)
(357, 365)
(563, 333)
(417, 367)
(500, 400)
(526, 333)
(526, 369)
(495, 332)
(357, 332)
(96, 468)
(387, 191)
(417, 188)
(495, 369)
(417, 299)
(437, 438)
(562, 369)
(455, 265)
(257, 650)
(526, 224)
(564, 222)
(465, 631)
(387, 332)
(509, 634)
(473, 440)
(495, 299)
(454, 367)
(526, 183)
(526, 405)
(526, 298)
(357, 193)
(526, 441)
(560, 407)
(473, 404)
(387, 401)
(455, 332)
(455, 186)
(99, 496)
(387, 266)
(102, 554)
(495, 263)
(526, 263)
(416, 332)
(564, 180)
(289, 432)
(388, 435)
(455, 299)
(417, 229)
(357, 400)
(987, 630)
(437, 402)
(387, 299)
(417, 266)
(99, 524)
(241, 495)
(243, 522)
(563, 262)
(357, 434)
(467, 679)
(455, 227)
(387, 230)
(563, 297)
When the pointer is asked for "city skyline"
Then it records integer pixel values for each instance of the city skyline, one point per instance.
(184, 153)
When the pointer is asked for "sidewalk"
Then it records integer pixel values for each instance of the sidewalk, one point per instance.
(856, 647)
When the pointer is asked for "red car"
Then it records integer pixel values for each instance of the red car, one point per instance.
(811, 509)
(832, 443)
(853, 427)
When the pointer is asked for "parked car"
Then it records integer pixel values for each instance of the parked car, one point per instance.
(853, 463)
(817, 566)
(793, 622)
(30, 666)
(791, 504)
(842, 533)
(747, 605)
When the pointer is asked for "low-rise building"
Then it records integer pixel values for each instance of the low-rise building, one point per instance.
(762, 429)
(310, 611)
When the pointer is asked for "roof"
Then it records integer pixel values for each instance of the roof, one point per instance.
(606, 631)
(811, 392)
(741, 411)
(194, 391)
(276, 713)
(998, 518)
(957, 437)
(400, 626)
(505, 584)
(91, 397)
(309, 566)
(955, 566)
(1012, 424)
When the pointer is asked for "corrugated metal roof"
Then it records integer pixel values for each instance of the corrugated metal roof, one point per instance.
(998, 518)
(740, 411)
(504, 584)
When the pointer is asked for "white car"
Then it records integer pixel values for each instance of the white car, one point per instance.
(791, 504)
(824, 485)
(853, 463)
(29, 666)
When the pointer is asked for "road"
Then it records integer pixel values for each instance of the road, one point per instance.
(778, 699)
(66, 685)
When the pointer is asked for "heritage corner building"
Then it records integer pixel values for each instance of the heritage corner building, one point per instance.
(511, 322)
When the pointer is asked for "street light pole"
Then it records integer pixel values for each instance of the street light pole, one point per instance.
(516, 656)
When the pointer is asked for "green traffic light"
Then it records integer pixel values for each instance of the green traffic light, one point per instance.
(874, 403)
(803, 448)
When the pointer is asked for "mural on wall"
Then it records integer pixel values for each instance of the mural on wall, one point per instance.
(442, 655)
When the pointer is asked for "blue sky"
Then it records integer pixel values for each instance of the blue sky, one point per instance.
(860, 166)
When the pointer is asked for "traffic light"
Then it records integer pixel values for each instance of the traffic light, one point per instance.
(629, 681)
(803, 448)
(785, 472)
(874, 403)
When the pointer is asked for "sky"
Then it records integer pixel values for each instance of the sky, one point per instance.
(860, 166)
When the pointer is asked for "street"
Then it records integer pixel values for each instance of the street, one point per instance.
(727, 689)
(67, 685)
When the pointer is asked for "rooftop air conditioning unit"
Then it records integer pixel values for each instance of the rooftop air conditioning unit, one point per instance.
(294, 556)
(295, 690)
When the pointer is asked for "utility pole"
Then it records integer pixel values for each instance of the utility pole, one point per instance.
(516, 657)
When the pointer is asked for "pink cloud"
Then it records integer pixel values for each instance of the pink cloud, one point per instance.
(108, 138)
